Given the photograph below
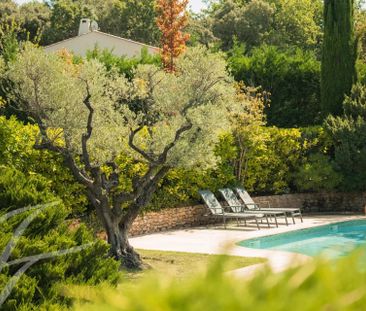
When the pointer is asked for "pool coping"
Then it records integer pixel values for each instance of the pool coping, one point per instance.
(216, 240)
(298, 230)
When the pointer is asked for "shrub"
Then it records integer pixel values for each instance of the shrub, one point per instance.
(265, 160)
(315, 171)
(268, 160)
(38, 288)
(19, 190)
(361, 71)
(271, 157)
(124, 65)
(348, 133)
(317, 285)
(16, 150)
(180, 187)
(317, 174)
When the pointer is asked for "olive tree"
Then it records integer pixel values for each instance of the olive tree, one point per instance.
(90, 116)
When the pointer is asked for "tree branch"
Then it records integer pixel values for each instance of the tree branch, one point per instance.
(144, 197)
(131, 143)
(89, 129)
(139, 186)
(69, 160)
(163, 156)
(158, 176)
(199, 98)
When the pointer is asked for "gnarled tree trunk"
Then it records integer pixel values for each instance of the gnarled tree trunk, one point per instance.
(120, 248)
(117, 228)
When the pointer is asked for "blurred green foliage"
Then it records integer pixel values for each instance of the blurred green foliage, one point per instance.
(317, 285)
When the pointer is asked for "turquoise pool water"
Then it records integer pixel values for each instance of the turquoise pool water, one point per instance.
(332, 241)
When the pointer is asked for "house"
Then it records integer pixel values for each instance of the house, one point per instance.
(90, 37)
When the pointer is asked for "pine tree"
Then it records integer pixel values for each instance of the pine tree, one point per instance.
(171, 21)
(339, 54)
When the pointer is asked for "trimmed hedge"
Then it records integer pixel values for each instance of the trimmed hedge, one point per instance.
(291, 77)
(270, 161)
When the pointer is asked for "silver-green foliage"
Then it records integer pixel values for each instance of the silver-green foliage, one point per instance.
(201, 93)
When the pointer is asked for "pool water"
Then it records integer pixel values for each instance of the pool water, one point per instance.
(332, 241)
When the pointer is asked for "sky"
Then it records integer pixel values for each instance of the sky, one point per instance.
(196, 5)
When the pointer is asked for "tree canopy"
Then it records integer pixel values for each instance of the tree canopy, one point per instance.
(171, 21)
(283, 23)
(339, 55)
(56, 20)
(91, 116)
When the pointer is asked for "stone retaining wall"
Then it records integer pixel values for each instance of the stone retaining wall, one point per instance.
(333, 202)
(171, 218)
(182, 217)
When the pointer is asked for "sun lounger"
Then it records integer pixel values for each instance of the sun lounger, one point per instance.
(217, 210)
(250, 204)
(237, 206)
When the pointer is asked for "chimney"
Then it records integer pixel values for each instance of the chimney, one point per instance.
(84, 26)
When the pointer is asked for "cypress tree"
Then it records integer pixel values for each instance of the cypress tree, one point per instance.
(339, 54)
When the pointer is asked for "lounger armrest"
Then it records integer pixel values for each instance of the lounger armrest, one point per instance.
(265, 203)
(238, 206)
(217, 208)
(253, 204)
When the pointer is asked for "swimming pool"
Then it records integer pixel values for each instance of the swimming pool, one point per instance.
(332, 241)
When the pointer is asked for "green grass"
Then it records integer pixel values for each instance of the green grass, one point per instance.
(180, 265)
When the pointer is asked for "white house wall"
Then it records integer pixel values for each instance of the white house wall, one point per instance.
(119, 46)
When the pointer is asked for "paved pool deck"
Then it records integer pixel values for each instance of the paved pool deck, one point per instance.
(217, 240)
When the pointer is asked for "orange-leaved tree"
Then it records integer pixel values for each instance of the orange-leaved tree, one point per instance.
(171, 21)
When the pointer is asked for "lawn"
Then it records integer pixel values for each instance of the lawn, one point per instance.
(180, 264)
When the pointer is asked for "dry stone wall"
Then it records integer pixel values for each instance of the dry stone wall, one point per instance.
(171, 218)
(334, 202)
